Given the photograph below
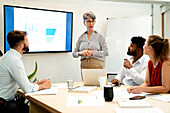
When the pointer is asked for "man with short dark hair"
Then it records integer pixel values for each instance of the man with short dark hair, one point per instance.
(134, 69)
(12, 73)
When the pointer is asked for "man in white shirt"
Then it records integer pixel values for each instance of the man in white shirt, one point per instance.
(134, 69)
(12, 73)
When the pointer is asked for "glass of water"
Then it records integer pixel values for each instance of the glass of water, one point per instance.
(70, 83)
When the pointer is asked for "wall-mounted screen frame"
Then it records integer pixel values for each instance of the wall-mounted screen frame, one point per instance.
(47, 30)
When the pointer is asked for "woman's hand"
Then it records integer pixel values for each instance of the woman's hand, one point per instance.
(135, 90)
(87, 53)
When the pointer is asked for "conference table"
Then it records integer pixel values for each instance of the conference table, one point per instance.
(58, 103)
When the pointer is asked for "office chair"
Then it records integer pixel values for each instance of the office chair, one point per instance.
(2, 105)
(1, 54)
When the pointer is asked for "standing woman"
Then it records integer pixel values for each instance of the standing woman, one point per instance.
(91, 45)
(157, 76)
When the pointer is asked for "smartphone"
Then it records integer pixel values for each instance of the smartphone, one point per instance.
(137, 98)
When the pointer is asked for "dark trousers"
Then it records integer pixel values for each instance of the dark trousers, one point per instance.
(13, 107)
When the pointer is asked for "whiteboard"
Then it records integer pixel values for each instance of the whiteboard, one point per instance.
(119, 32)
(167, 24)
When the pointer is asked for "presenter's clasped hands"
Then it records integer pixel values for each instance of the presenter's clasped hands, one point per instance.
(86, 53)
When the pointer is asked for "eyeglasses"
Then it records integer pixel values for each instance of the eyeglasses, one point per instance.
(90, 21)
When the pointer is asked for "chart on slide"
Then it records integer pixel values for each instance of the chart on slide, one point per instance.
(46, 32)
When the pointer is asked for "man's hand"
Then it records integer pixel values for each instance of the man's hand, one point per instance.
(44, 84)
(115, 81)
(127, 64)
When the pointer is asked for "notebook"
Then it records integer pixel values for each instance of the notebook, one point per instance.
(90, 76)
(83, 89)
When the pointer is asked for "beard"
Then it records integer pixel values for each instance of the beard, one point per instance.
(26, 48)
(133, 53)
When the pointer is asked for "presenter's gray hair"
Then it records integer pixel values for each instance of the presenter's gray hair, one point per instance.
(88, 15)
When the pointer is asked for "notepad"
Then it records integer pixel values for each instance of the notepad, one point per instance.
(133, 103)
(83, 89)
(50, 91)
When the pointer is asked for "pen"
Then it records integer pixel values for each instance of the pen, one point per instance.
(75, 88)
(49, 77)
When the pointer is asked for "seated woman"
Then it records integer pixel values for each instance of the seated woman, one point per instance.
(157, 78)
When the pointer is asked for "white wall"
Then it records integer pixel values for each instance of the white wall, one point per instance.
(62, 65)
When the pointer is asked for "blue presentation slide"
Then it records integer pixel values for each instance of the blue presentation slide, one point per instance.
(47, 30)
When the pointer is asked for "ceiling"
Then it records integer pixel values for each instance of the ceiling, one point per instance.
(162, 2)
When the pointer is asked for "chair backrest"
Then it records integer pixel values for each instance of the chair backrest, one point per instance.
(2, 105)
(1, 53)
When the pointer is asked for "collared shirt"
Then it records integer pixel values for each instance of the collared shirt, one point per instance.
(96, 42)
(135, 75)
(12, 74)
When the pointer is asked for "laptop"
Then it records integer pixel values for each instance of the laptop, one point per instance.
(90, 76)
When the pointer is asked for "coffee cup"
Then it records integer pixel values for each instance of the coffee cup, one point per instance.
(102, 81)
(108, 93)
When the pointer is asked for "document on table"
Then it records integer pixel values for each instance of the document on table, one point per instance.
(165, 98)
(50, 91)
(61, 85)
(133, 103)
(123, 93)
(138, 110)
(76, 101)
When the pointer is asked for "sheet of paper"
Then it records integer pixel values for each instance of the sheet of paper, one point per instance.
(50, 91)
(76, 101)
(62, 85)
(133, 103)
(165, 98)
(123, 93)
(138, 110)
(98, 93)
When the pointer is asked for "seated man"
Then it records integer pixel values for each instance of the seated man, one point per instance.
(134, 69)
(12, 73)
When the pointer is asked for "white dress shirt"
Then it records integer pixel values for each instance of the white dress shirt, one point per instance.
(12, 74)
(135, 75)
